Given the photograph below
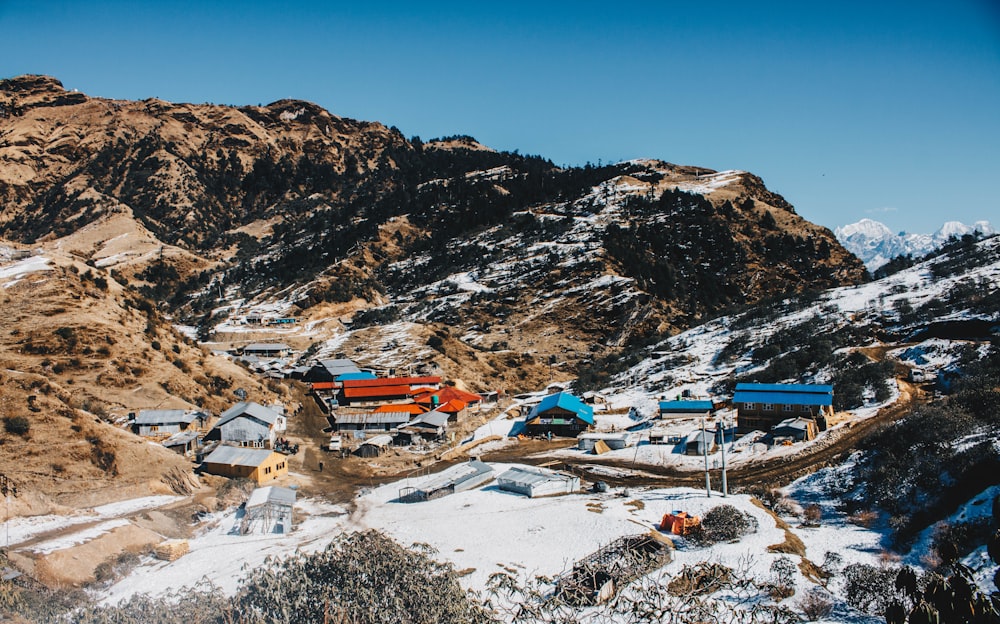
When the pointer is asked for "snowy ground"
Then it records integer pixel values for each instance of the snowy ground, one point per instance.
(486, 530)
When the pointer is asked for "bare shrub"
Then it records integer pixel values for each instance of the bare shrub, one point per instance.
(816, 604)
(725, 523)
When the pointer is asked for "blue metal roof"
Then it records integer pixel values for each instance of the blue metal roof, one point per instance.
(354, 375)
(568, 402)
(784, 398)
(758, 387)
(686, 406)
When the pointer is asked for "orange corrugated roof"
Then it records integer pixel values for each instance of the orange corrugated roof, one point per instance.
(409, 408)
(452, 406)
(391, 381)
(324, 385)
(379, 391)
(446, 394)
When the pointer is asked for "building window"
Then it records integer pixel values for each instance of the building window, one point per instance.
(805, 408)
(768, 407)
(789, 408)
(749, 406)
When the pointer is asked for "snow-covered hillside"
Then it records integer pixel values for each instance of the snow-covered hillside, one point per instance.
(876, 244)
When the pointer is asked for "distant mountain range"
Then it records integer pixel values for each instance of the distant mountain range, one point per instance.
(875, 244)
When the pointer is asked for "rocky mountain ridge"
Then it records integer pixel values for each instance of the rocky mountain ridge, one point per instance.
(504, 270)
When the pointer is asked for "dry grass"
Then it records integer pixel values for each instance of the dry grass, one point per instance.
(793, 544)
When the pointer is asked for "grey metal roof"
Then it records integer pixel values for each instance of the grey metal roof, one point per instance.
(272, 494)
(457, 474)
(238, 456)
(340, 366)
(524, 476)
(255, 410)
(164, 417)
(181, 437)
(372, 418)
(379, 440)
(433, 418)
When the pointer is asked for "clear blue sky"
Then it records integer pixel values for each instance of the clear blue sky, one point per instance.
(888, 110)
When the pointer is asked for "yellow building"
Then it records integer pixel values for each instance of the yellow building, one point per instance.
(261, 465)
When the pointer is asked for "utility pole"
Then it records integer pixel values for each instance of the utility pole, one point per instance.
(704, 452)
(8, 489)
(722, 435)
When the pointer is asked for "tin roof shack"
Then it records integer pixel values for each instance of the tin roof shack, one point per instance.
(328, 370)
(560, 414)
(369, 421)
(793, 429)
(260, 465)
(762, 406)
(459, 478)
(700, 442)
(249, 424)
(685, 409)
(614, 441)
(664, 435)
(537, 482)
(268, 510)
(157, 423)
(183, 442)
(374, 447)
(429, 426)
(266, 349)
(597, 577)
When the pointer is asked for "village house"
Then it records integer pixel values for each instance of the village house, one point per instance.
(260, 465)
(156, 423)
(762, 406)
(560, 414)
(249, 424)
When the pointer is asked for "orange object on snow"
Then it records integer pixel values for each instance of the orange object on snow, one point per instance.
(679, 522)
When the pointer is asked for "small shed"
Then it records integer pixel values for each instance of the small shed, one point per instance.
(700, 442)
(536, 482)
(268, 510)
(457, 478)
(183, 442)
(797, 429)
(374, 447)
(614, 441)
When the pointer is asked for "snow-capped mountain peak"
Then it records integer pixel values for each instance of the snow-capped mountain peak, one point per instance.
(875, 244)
